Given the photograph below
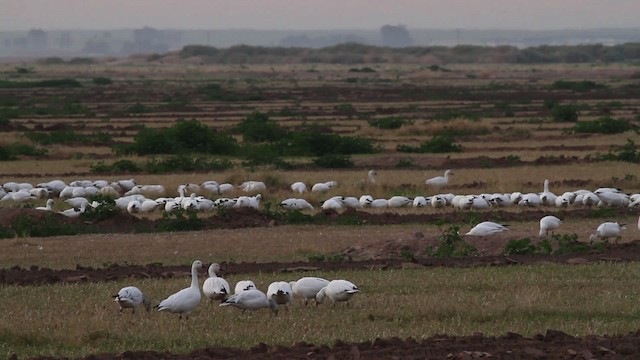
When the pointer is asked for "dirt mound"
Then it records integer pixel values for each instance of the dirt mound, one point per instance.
(551, 345)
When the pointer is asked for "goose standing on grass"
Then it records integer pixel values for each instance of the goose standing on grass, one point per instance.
(308, 287)
(186, 300)
(439, 181)
(487, 228)
(281, 293)
(548, 224)
(371, 177)
(252, 300)
(547, 197)
(337, 290)
(215, 288)
(606, 230)
(244, 285)
(48, 207)
(131, 297)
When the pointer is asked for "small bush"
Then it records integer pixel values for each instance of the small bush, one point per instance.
(451, 244)
(602, 125)
(102, 81)
(106, 209)
(25, 226)
(334, 161)
(577, 86)
(391, 122)
(626, 152)
(180, 220)
(520, 247)
(437, 144)
(257, 127)
(564, 113)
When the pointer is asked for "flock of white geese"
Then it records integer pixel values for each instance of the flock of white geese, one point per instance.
(245, 296)
(140, 199)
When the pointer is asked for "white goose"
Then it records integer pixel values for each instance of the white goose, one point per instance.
(439, 181)
(215, 288)
(48, 207)
(251, 300)
(298, 187)
(549, 224)
(131, 297)
(73, 212)
(308, 287)
(606, 230)
(487, 228)
(186, 300)
(244, 285)
(399, 201)
(547, 197)
(296, 204)
(281, 293)
(337, 290)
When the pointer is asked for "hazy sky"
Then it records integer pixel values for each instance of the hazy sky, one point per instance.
(317, 14)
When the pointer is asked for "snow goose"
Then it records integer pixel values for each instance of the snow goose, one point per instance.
(351, 202)
(126, 185)
(399, 201)
(215, 287)
(530, 199)
(253, 186)
(308, 287)
(365, 200)
(548, 224)
(211, 186)
(337, 290)
(252, 300)
(21, 196)
(131, 297)
(225, 188)
(487, 228)
(281, 293)
(546, 196)
(419, 201)
(438, 202)
(371, 176)
(295, 204)
(244, 285)
(298, 187)
(48, 207)
(186, 300)
(439, 181)
(379, 203)
(335, 203)
(39, 193)
(606, 230)
(75, 212)
(148, 206)
(76, 202)
(324, 187)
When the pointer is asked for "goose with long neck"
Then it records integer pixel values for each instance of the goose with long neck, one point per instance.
(215, 287)
(186, 300)
(439, 181)
(547, 197)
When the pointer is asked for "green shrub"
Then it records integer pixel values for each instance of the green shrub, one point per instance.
(26, 226)
(68, 137)
(257, 127)
(55, 83)
(215, 92)
(332, 161)
(390, 122)
(577, 86)
(564, 113)
(102, 80)
(180, 220)
(27, 150)
(626, 152)
(520, 247)
(105, 209)
(451, 244)
(437, 144)
(6, 155)
(452, 114)
(602, 125)
(119, 166)
(184, 162)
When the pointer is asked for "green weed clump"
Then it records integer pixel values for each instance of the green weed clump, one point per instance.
(54, 83)
(68, 137)
(390, 122)
(451, 244)
(577, 86)
(437, 144)
(180, 220)
(626, 152)
(602, 125)
(26, 226)
(557, 244)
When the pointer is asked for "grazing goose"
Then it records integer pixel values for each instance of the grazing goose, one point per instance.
(548, 224)
(244, 285)
(308, 287)
(487, 228)
(606, 230)
(73, 212)
(186, 300)
(399, 201)
(439, 181)
(48, 207)
(296, 204)
(252, 299)
(215, 288)
(281, 293)
(419, 201)
(337, 290)
(324, 187)
(299, 187)
(131, 297)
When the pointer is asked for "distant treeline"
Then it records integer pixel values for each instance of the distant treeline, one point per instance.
(354, 53)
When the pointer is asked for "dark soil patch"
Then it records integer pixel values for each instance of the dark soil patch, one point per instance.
(551, 345)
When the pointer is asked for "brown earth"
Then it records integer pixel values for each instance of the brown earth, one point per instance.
(551, 345)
